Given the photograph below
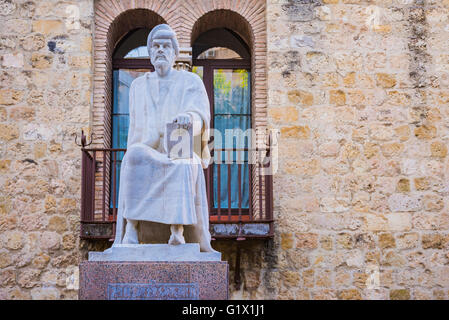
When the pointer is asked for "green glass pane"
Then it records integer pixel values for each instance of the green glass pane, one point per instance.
(120, 123)
(198, 70)
(122, 80)
(232, 94)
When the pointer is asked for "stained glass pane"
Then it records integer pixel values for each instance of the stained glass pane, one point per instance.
(198, 70)
(232, 91)
(122, 80)
(232, 118)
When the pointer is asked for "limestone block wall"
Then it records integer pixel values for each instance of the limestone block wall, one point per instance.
(45, 97)
(359, 92)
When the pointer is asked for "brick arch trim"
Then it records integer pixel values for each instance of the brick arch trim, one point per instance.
(223, 19)
(114, 18)
(247, 18)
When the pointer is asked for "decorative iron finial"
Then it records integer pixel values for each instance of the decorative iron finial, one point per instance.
(184, 59)
(83, 139)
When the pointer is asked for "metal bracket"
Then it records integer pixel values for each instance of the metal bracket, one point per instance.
(83, 139)
(184, 59)
(237, 277)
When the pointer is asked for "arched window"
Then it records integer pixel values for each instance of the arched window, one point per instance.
(130, 60)
(222, 59)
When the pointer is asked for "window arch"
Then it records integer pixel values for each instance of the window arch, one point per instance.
(233, 30)
(130, 61)
(114, 19)
(133, 45)
(221, 38)
(222, 58)
(117, 34)
(122, 29)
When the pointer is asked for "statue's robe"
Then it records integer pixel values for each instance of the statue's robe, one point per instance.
(153, 187)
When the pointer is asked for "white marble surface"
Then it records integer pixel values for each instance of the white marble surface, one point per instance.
(153, 186)
(155, 252)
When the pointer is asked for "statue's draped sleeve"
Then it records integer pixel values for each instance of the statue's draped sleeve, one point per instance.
(196, 101)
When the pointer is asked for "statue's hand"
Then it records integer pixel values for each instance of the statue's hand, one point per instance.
(183, 119)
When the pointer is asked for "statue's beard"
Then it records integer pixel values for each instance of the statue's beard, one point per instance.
(162, 63)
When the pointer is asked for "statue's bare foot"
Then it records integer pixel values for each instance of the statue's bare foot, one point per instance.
(176, 239)
(131, 235)
(176, 235)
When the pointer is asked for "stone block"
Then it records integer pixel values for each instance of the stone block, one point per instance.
(425, 132)
(48, 26)
(286, 114)
(400, 202)
(299, 132)
(435, 241)
(13, 60)
(400, 294)
(302, 98)
(41, 61)
(107, 280)
(10, 96)
(403, 185)
(349, 294)
(307, 240)
(385, 80)
(438, 149)
(9, 132)
(386, 240)
(337, 97)
(287, 240)
(82, 62)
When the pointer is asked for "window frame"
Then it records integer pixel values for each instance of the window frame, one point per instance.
(209, 65)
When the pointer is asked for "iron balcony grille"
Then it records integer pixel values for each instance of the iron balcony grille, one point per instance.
(99, 196)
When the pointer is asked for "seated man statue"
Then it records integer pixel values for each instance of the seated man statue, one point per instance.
(153, 186)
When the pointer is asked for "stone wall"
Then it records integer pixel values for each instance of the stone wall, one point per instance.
(45, 97)
(359, 92)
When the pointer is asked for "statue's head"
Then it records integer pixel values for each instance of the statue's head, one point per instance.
(162, 46)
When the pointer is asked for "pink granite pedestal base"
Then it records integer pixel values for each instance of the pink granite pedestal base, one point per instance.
(107, 280)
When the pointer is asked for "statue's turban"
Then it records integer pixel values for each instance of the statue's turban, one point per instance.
(163, 31)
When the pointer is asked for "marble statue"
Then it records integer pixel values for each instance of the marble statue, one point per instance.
(153, 186)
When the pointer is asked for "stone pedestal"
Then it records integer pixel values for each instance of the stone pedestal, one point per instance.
(154, 272)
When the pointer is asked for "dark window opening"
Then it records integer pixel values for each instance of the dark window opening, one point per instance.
(222, 60)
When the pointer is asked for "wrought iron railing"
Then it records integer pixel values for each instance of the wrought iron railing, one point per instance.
(99, 196)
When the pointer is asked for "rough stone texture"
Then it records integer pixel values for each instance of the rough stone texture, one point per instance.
(39, 162)
(359, 91)
(378, 94)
